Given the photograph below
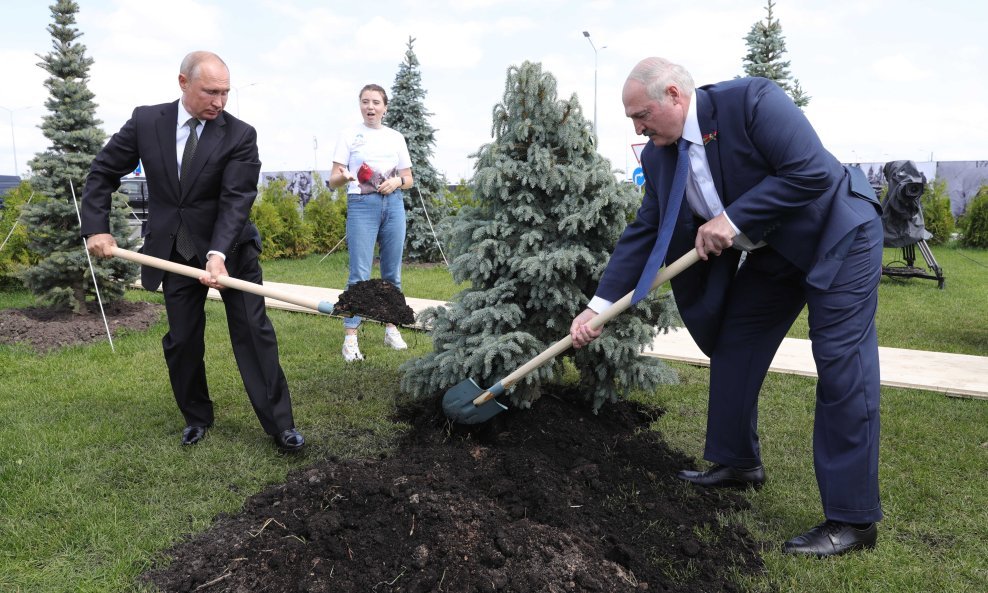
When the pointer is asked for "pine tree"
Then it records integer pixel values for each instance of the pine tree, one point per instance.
(62, 277)
(549, 211)
(427, 201)
(766, 47)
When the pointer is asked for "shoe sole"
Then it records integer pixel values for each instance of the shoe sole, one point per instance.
(730, 485)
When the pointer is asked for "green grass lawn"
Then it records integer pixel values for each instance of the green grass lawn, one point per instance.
(94, 484)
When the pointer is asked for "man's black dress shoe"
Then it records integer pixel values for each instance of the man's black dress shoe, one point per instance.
(831, 538)
(193, 434)
(723, 476)
(289, 440)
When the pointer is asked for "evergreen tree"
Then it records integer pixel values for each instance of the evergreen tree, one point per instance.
(62, 277)
(549, 210)
(766, 48)
(427, 201)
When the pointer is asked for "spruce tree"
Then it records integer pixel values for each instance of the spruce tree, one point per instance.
(427, 201)
(766, 48)
(549, 211)
(62, 277)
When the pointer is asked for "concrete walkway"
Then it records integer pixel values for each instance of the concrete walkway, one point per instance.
(959, 375)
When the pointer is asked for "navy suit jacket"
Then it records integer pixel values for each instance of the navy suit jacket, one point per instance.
(214, 202)
(777, 182)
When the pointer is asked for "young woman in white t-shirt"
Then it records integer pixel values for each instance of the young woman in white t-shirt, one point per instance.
(372, 159)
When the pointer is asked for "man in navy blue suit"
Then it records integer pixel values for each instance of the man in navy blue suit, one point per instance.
(760, 182)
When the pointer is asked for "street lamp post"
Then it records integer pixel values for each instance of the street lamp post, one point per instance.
(13, 141)
(236, 91)
(587, 35)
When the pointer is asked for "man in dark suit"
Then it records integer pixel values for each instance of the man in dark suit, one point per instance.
(758, 180)
(202, 169)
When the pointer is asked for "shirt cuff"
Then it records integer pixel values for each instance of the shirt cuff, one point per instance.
(599, 305)
(219, 253)
(737, 231)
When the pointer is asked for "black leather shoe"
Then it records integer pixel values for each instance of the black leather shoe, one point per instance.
(289, 440)
(193, 434)
(723, 476)
(831, 538)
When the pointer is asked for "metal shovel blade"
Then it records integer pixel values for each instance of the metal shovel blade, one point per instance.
(459, 407)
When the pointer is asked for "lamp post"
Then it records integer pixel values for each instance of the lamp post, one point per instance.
(315, 154)
(236, 91)
(13, 141)
(587, 35)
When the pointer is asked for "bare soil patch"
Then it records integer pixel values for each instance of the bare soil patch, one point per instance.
(550, 499)
(45, 329)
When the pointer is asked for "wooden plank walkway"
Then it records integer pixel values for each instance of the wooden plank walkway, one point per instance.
(959, 375)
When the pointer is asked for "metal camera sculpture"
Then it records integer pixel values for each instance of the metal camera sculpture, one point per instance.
(902, 218)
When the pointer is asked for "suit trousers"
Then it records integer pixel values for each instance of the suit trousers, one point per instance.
(765, 298)
(255, 345)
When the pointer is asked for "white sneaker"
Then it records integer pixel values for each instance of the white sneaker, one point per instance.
(351, 351)
(392, 337)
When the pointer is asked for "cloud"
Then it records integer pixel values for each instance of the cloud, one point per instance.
(898, 68)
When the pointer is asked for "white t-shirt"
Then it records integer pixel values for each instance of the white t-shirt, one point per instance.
(383, 149)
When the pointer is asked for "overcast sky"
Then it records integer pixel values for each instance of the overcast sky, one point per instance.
(889, 79)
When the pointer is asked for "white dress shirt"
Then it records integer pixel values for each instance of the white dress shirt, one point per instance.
(181, 135)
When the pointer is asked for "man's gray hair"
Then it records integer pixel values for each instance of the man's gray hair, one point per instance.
(658, 73)
(190, 65)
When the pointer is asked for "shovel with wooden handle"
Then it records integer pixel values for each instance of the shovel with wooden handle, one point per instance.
(467, 403)
(251, 287)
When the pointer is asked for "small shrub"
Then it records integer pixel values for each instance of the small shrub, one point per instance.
(15, 254)
(461, 195)
(278, 217)
(325, 217)
(975, 221)
(937, 218)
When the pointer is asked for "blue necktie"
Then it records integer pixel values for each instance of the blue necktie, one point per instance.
(669, 217)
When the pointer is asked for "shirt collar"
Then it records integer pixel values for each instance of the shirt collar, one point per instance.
(691, 127)
(183, 115)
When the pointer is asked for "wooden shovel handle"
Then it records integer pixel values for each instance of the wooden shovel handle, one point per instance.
(227, 281)
(616, 309)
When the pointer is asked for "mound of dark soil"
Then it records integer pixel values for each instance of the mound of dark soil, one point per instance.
(549, 499)
(375, 299)
(45, 328)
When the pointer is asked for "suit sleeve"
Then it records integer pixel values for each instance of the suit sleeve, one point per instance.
(119, 157)
(801, 169)
(237, 192)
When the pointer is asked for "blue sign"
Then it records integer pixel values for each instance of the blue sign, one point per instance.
(639, 177)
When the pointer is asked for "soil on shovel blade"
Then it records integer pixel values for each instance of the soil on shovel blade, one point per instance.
(375, 299)
(551, 499)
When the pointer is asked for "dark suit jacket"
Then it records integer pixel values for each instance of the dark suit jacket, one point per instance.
(777, 183)
(214, 202)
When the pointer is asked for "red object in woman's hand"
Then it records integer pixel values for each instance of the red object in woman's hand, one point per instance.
(364, 173)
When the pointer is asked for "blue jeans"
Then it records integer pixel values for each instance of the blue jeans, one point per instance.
(373, 219)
